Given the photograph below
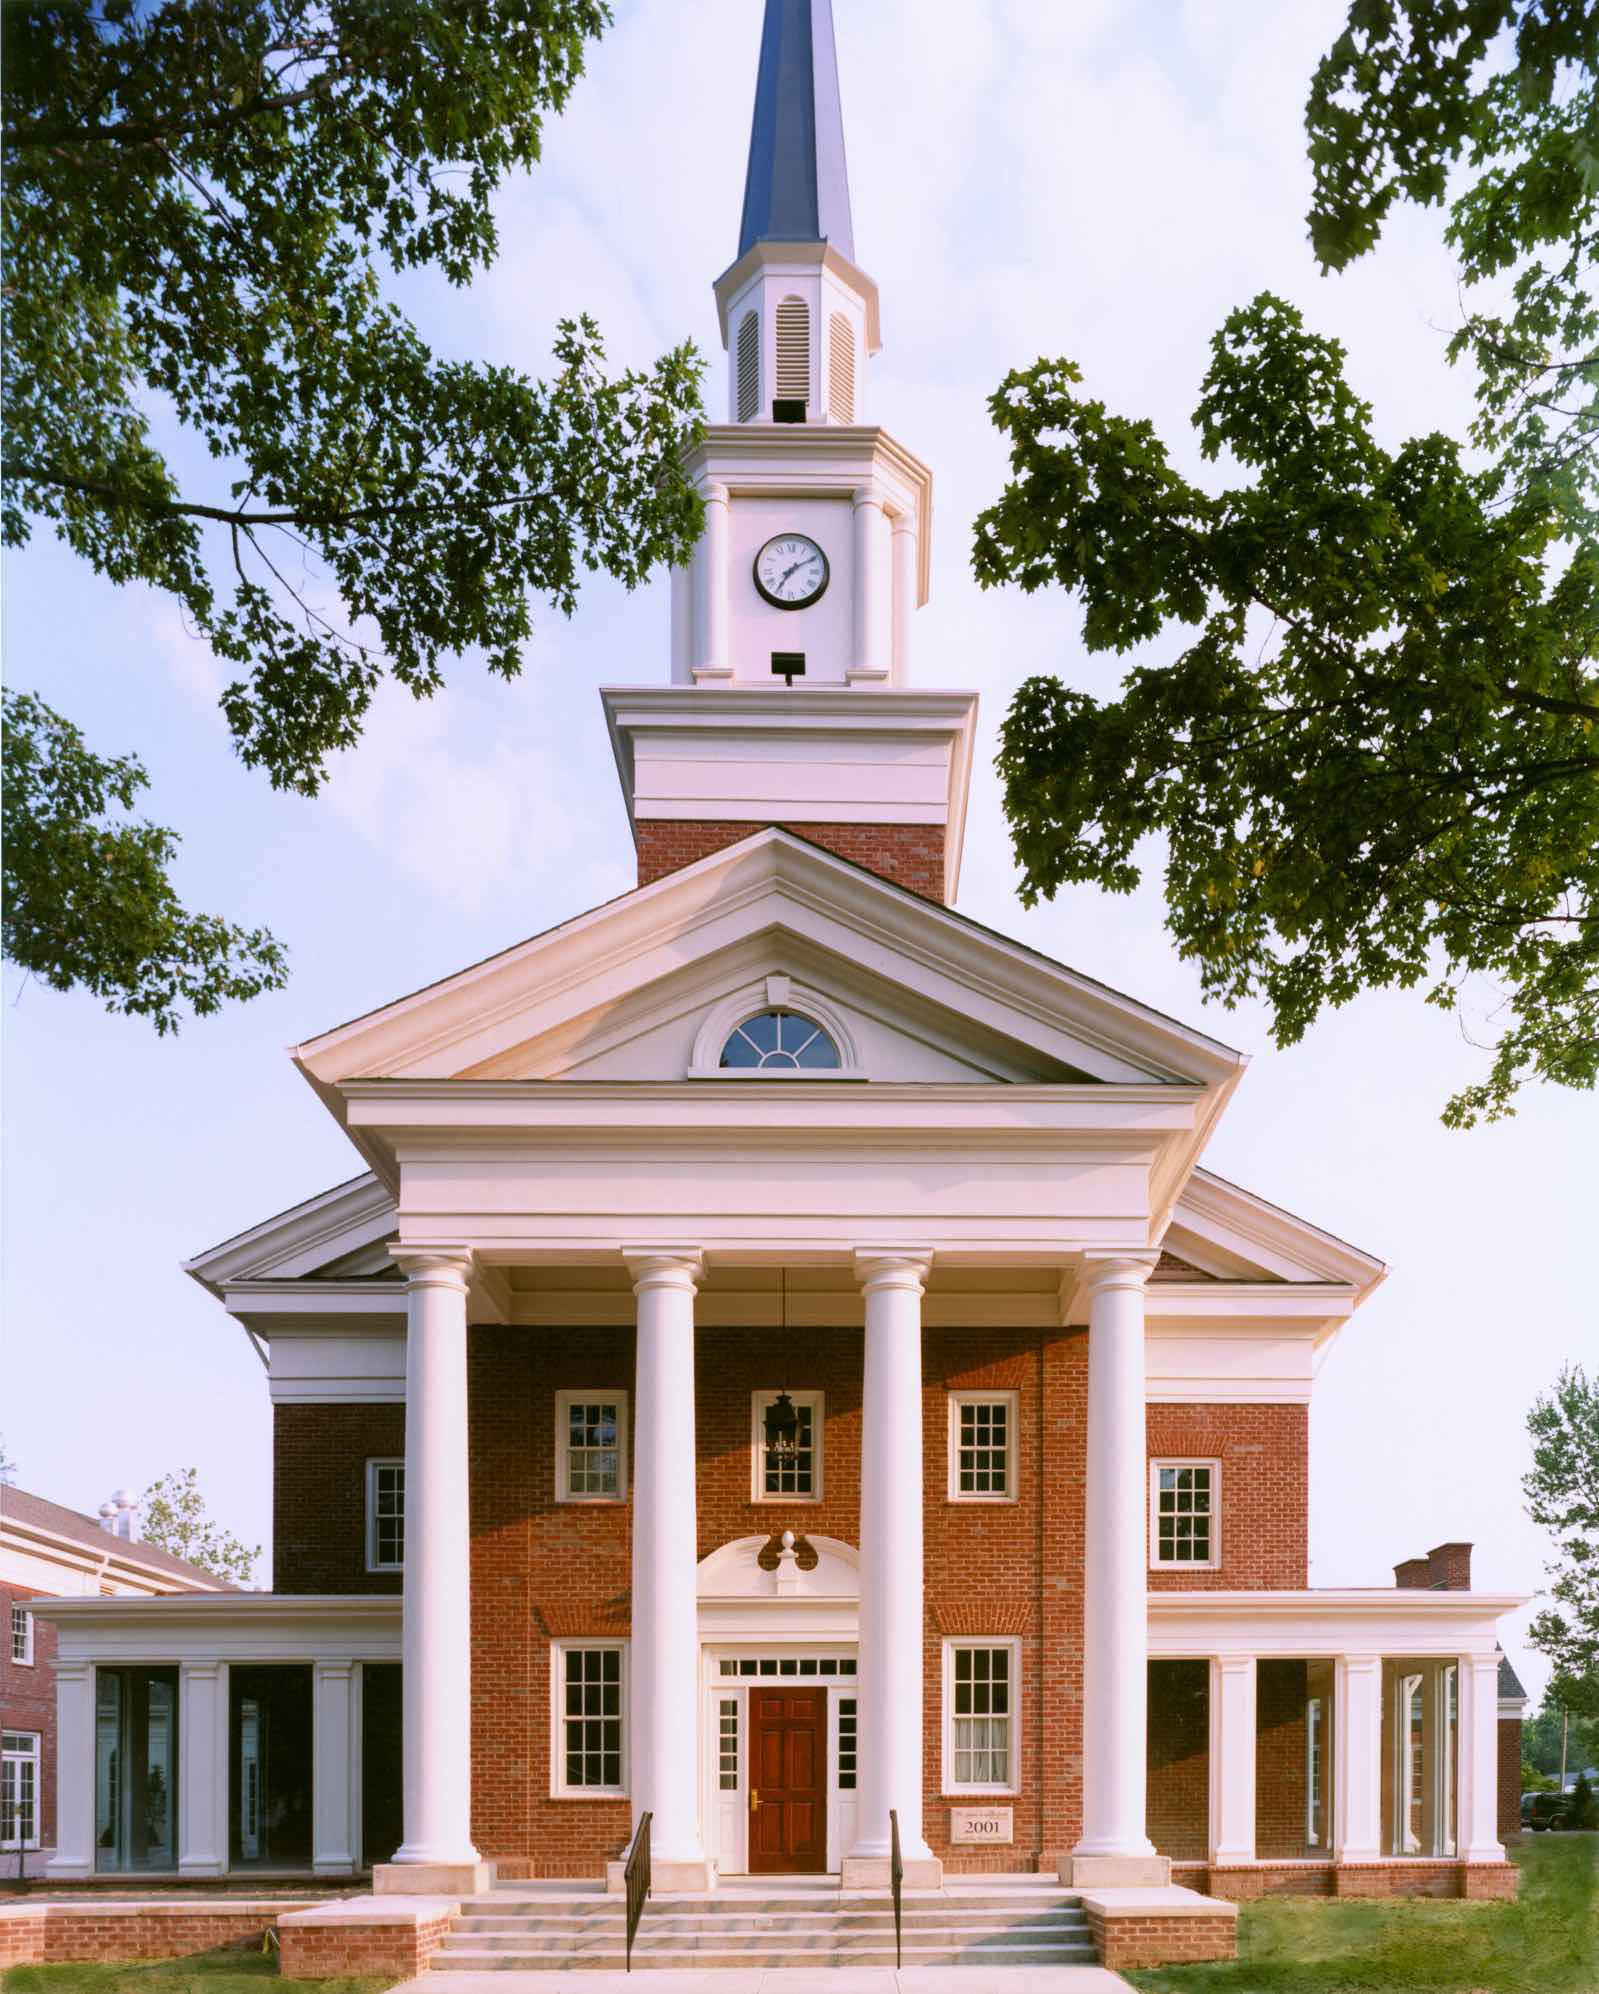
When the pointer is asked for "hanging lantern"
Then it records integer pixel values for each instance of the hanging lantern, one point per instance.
(782, 1426)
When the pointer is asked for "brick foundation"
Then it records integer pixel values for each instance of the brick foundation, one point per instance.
(1149, 1939)
(911, 855)
(1247, 1882)
(98, 1932)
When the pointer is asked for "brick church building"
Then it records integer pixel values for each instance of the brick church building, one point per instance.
(783, 1360)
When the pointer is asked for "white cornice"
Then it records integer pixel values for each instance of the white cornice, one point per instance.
(197, 1608)
(1337, 1621)
(305, 1237)
(119, 1561)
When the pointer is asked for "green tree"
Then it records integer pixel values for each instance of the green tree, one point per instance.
(1562, 1491)
(173, 1515)
(199, 198)
(1375, 760)
(1541, 1736)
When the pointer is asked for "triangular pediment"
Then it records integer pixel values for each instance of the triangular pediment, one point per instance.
(626, 991)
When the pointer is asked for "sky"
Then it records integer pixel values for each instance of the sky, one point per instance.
(1105, 180)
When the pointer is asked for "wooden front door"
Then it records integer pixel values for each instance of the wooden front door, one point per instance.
(788, 1781)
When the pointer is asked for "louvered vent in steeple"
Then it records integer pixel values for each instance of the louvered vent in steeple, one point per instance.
(840, 368)
(749, 367)
(793, 351)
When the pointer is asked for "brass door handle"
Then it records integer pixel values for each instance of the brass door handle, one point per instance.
(755, 1801)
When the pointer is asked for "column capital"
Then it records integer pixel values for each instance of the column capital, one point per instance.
(664, 1267)
(713, 492)
(1117, 1267)
(902, 522)
(434, 1266)
(1232, 1664)
(904, 1267)
(868, 494)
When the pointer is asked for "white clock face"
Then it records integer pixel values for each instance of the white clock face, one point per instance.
(791, 571)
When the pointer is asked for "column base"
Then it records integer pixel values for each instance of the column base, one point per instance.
(872, 1873)
(694, 1875)
(1115, 1872)
(432, 1879)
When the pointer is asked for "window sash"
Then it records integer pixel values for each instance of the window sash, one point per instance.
(591, 1445)
(385, 1516)
(981, 1679)
(983, 1436)
(848, 1742)
(21, 1636)
(1184, 1506)
(590, 1712)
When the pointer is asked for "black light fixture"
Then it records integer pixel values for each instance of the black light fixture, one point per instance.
(782, 1421)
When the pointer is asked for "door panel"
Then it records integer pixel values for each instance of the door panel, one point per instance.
(788, 1783)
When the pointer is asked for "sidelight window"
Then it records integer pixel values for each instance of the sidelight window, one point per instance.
(19, 1790)
(980, 1716)
(590, 1686)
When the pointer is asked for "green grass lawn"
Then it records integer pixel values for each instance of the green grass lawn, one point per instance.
(204, 1973)
(1545, 1943)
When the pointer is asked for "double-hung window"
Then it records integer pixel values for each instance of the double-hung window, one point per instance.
(1185, 1514)
(589, 1680)
(982, 1446)
(19, 1790)
(21, 1636)
(590, 1446)
(793, 1473)
(385, 1516)
(982, 1729)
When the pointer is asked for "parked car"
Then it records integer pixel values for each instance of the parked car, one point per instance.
(1540, 1811)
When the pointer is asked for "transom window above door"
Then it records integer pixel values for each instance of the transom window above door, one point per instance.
(777, 1041)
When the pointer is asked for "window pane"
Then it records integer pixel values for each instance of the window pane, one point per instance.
(740, 1051)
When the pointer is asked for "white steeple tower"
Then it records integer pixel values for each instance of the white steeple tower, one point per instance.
(790, 701)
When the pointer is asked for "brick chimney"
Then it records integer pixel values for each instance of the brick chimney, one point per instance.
(1446, 1568)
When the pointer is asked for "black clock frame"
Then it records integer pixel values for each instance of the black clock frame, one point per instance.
(776, 601)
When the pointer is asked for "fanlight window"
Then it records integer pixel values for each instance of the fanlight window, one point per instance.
(779, 1041)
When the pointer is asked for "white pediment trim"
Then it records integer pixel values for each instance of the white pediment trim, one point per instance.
(733, 1573)
(344, 1228)
(768, 881)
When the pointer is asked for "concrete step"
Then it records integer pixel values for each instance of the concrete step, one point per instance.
(747, 1957)
(952, 1933)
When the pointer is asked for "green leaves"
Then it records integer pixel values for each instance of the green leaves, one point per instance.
(174, 1516)
(1374, 762)
(88, 900)
(1562, 1491)
(196, 191)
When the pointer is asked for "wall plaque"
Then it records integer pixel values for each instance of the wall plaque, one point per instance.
(979, 1824)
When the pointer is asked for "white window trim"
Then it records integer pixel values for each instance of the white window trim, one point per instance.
(956, 1401)
(1012, 1643)
(373, 1563)
(559, 1790)
(759, 1401)
(25, 1659)
(35, 1757)
(599, 1395)
(1156, 1562)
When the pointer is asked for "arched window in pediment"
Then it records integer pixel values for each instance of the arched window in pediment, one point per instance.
(776, 1041)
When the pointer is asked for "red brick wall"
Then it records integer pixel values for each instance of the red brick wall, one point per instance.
(1509, 1776)
(542, 1569)
(1265, 1490)
(28, 1698)
(911, 855)
(319, 1457)
(1177, 1809)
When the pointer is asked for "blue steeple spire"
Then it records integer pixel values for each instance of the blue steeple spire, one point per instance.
(797, 186)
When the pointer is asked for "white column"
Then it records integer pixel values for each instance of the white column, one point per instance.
(892, 1578)
(1232, 1759)
(904, 530)
(203, 1768)
(1114, 1847)
(332, 1823)
(710, 583)
(664, 1656)
(871, 654)
(74, 1852)
(437, 1615)
(1357, 1753)
(1477, 1833)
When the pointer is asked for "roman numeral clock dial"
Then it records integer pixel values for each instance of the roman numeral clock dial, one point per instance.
(791, 571)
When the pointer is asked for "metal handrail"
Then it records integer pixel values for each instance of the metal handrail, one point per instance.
(636, 1876)
(896, 1877)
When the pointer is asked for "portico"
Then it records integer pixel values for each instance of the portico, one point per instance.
(668, 1734)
